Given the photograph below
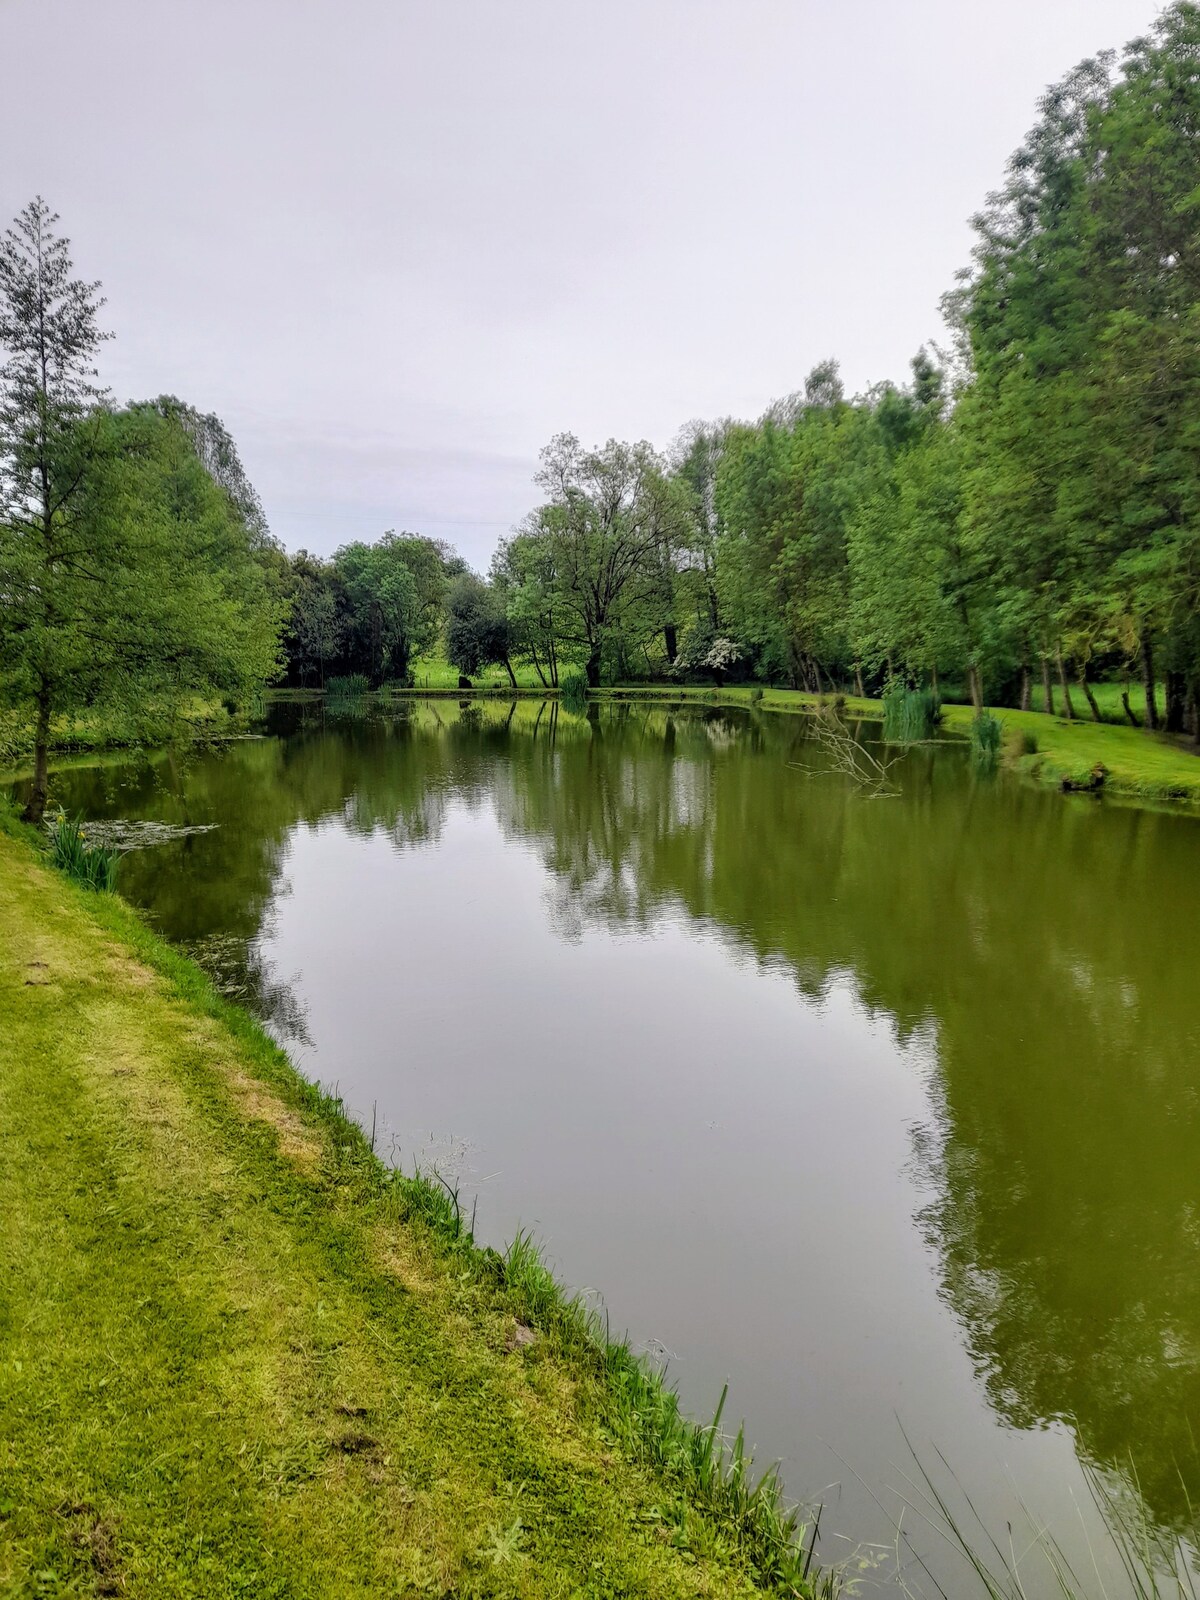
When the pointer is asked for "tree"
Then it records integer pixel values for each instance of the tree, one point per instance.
(395, 590)
(50, 335)
(317, 628)
(477, 627)
(610, 520)
(523, 576)
(156, 595)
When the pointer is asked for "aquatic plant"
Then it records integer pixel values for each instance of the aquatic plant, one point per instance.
(1157, 1563)
(91, 864)
(574, 687)
(986, 733)
(909, 714)
(348, 687)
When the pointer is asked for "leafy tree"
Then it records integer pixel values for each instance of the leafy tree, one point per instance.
(477, 627)
(394, 590)
(317, 624)
(610, 520)
(523, 576)
(129, 577)
(157, 595)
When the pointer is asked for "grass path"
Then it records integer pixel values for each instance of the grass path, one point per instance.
(228, 1364)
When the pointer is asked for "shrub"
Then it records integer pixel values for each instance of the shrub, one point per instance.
(94, 866)
(1029, 742)
(756, 695)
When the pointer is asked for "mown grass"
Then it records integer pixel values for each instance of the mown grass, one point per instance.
(435, 672)
(239, 1356)
(1136, 763)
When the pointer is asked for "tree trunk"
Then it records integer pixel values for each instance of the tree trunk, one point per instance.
(1129, 711)
(512, 677)
(1087, 693)
(933, 681)
(35, 810)
(671, 640)
(1047, 688)
(859, 687)
(1176, 702)
(593, 668)
(976, 686)
(1068, 708)
(1026, 687)
(537, 665)
(1148, 680)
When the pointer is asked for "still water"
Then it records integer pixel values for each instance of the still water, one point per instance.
(885, 1111)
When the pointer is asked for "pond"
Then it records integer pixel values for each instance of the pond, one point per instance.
(885, 1111)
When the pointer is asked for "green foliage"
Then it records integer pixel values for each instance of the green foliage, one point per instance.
(131, 577)
(909, 714)
(348, 686)
(478, 633)
(597, 556)
(298, 1240)
(574, 690)
(91, 865)
(986, 733)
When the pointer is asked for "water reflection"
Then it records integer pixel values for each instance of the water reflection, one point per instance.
(1038, 952)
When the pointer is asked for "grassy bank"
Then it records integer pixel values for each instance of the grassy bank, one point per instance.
(238, 1356)
(1137, 764)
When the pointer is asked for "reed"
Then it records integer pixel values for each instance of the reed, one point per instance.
(352, 686)
(1155, 1564)
(574, 689)
(92, 865)
(909, 715)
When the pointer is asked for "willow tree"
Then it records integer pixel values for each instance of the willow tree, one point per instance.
(611, 520)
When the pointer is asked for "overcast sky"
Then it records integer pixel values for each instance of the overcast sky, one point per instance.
(397, 244)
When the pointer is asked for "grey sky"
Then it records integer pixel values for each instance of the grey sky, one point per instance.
(397, 245)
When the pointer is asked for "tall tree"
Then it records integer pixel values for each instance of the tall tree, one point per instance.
(477, 627)
(49, 334)
(609, 521)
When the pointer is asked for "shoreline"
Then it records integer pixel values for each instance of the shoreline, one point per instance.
(671, 1507)
(1140, 768)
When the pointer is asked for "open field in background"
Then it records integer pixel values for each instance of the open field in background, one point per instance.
(238, 1358)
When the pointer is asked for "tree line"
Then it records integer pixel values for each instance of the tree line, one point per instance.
(1022, 511)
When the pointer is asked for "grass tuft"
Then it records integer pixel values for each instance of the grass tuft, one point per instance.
(92, 866)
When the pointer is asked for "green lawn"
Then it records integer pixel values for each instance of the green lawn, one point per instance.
(234, 1360)
(435, 672)
(1150, 765)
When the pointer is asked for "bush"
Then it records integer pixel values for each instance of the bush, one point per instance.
(94, 866)
(756, 695)
(1029, 742)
